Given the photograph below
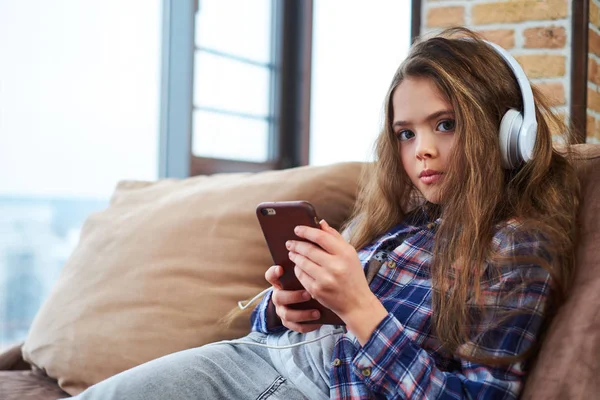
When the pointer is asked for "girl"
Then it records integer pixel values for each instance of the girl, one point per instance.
(465, 252)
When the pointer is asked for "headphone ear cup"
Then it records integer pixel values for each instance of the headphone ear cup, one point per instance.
(510, 126)
(527, 140)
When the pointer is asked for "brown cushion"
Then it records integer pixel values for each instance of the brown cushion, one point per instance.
(155, 272)
(11, 359)
(568, 366)
(28, 385)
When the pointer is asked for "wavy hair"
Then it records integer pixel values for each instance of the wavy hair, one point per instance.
(477, 194)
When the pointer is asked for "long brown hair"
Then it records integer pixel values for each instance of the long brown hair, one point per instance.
(478, 195)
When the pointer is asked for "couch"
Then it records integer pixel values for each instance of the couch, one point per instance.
(160, 269)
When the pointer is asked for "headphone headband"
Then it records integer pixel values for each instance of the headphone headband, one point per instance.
(518, 130)
(526, 92)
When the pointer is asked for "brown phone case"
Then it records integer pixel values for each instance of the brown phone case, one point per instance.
(277, 221)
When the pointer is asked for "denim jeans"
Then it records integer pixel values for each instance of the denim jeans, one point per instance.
(219, 371)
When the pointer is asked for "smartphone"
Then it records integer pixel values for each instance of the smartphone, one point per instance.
(277, 221)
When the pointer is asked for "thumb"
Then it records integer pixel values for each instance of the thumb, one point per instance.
(273, 274)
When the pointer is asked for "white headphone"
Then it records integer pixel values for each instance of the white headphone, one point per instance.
(518, 130)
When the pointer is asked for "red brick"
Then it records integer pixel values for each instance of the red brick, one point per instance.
(554, 92)
(519, 11)
(542, 65)
(593, 98)
(593, 75)
(503, 37)
(590, 125)
(551, 37)
(593, 42)
(594, 14)
(445, 16)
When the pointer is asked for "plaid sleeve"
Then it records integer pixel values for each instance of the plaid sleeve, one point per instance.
(258, 319)
(391, 363)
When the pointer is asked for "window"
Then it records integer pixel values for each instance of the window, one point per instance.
(97, 92)
(352, 67)
(253, 104)
(233, 75)
(250, 74)
(78, 112)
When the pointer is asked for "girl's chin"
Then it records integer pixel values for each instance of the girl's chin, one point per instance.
(432, 196)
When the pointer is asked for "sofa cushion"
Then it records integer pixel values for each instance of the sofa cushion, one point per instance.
(11, 359)
(154, 272)
(568, 366)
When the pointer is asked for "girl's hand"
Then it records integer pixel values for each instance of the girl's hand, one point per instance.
(330, 270)
(290, 318)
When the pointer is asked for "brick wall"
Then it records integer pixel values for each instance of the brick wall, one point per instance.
(593, 94)
(536, 32)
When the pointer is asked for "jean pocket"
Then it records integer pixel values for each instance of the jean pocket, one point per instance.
(282, 389)
(257, 337)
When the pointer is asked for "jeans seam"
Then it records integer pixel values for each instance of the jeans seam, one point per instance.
(271, 389)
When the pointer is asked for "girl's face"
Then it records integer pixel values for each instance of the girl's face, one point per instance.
(423, 121)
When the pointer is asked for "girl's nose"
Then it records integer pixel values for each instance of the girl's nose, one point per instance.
(426, 147)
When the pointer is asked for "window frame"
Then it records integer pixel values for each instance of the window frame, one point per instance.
(291, 86)
(176, 92)
(579, 70)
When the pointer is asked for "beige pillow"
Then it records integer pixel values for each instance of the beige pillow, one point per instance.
(156, 270)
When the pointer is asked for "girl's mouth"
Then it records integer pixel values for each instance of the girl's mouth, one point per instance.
(430, 176)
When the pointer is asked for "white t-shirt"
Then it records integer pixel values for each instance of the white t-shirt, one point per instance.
(307, 366)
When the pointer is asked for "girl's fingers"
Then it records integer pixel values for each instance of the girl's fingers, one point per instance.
(330, 242)
(290, 315)
(273, 274)
(308, 250)
(306, 271)
(285, 297)
(292, 318)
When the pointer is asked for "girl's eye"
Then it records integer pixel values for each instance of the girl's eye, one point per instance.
(446, 125)
(405, 135)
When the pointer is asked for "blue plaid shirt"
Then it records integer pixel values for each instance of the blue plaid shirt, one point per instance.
(403, 358)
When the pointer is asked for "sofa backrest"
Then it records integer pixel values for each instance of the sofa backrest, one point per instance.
(568, 365)
(157, 271)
